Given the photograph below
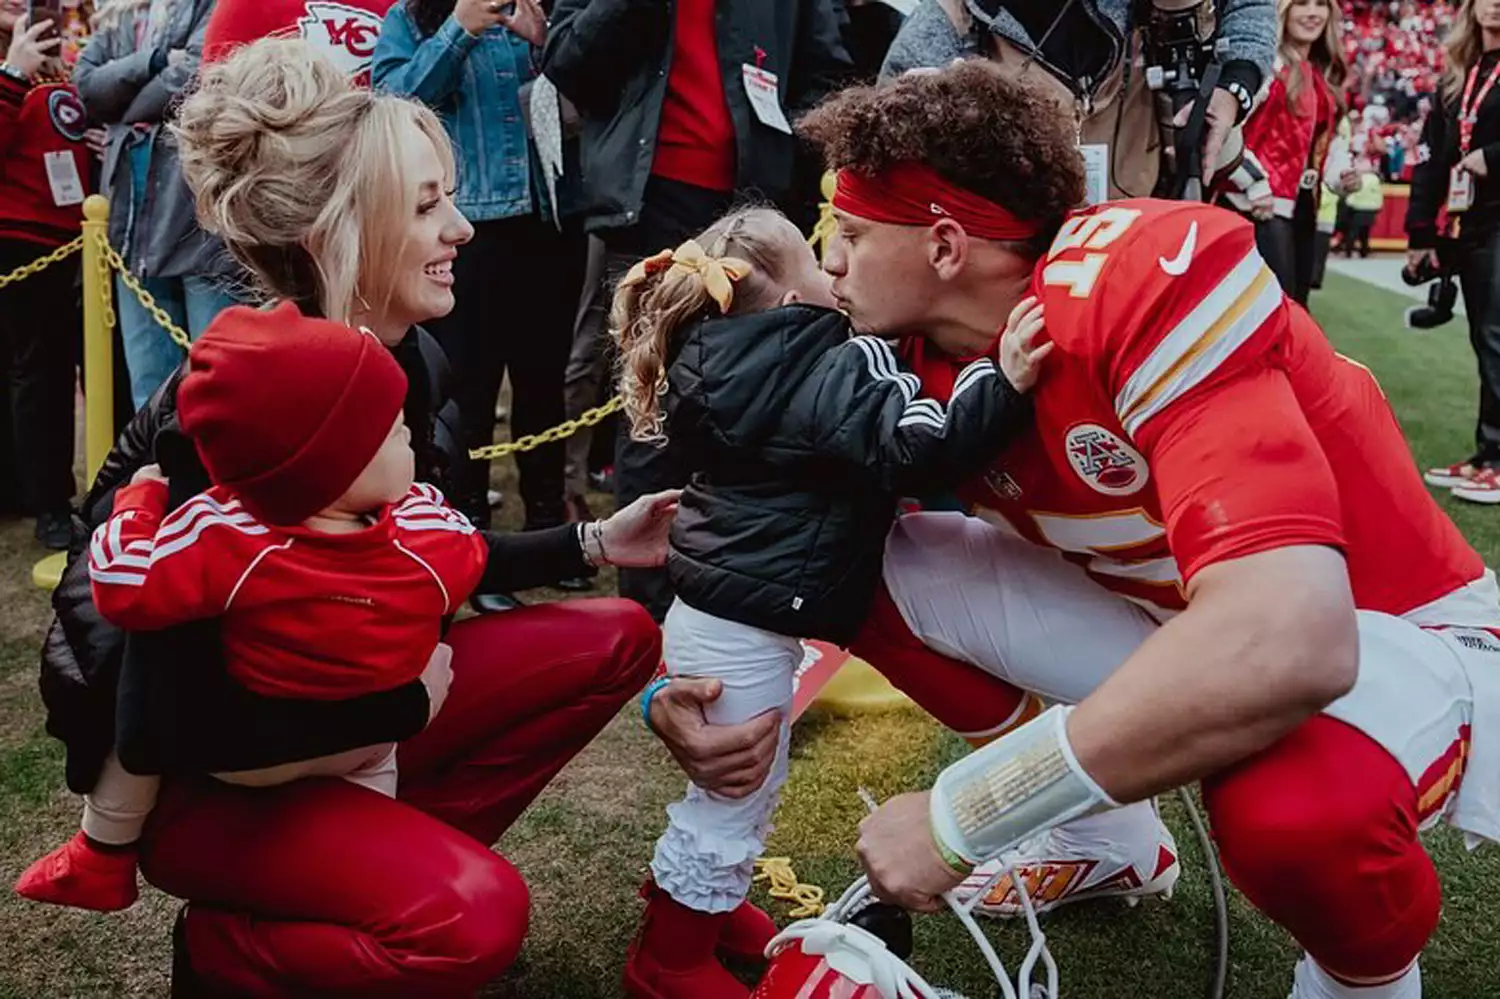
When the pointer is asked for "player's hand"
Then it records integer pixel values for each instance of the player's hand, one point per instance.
(728, 760)
(148, 473)
(28, 54)
(900, 858)
(478, 16)
(1020, 356)
(1475, 164)
(437, 678)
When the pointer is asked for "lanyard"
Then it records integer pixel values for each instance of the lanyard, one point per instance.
(1467, 112)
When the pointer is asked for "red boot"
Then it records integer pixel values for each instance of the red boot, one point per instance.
(747, 931)
(83, 876)
(672, 956)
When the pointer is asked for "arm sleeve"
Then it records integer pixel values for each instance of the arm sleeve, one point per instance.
(108, 82)
(1429, 181)
(859, 407)
(1248, 30)
(594, 46)
(12, 93)
(156, 98)
(525, 559)
(147, 576)
(927, 39)
(429, 69)
(820, 63)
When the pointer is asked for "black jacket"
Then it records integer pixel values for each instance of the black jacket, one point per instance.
(611, 59)
(1437, 155)
(801, 439)
(177, 709)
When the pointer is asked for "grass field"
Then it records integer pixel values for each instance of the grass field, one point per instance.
(584, 845)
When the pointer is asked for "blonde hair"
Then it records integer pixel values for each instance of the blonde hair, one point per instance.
(1463, 49)
(299, 171)
(648, 314)
(1326, 54)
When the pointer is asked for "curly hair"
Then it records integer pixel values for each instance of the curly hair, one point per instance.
(987, 132)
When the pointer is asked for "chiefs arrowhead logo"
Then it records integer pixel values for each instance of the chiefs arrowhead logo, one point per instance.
(1104, 461)
(345, 34)
(67, 114)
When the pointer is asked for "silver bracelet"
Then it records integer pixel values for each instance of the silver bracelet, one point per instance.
(591, 544)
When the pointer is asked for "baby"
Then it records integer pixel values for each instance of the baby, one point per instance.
(331, 572)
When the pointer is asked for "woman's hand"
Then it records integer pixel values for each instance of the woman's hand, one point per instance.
(636, 537)
(1263, 207)
(27, 54)
(527, 21)
(1349, 182)
(1475, 164)
(478, 16)
(728, 760)
(1020, 359)
(97, 139)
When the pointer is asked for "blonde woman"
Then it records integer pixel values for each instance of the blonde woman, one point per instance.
(1455, 203)
(1290, 131)
(337, 199)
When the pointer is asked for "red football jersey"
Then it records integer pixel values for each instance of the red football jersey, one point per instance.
(1190, 414)
(305, 614)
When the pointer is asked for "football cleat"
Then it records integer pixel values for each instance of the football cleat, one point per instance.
(1057, 869)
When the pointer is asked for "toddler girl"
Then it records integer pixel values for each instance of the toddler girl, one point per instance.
(331, 571)
(801, 438)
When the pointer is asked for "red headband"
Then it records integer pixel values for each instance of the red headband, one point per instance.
(912, 194)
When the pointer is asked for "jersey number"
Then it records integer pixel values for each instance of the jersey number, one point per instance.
(1087, 232)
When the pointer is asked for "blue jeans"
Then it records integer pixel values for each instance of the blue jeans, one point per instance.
(150, 354)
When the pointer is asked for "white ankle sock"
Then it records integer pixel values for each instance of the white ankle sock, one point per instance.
(1312, 982)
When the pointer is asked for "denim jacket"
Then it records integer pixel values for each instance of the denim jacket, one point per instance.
(473, 84)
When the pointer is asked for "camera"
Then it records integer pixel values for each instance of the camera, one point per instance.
(1441, 298)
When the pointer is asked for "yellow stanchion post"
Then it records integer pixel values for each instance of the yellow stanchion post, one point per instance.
(98, 363)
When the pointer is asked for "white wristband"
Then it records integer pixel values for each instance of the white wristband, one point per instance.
(1021, 784)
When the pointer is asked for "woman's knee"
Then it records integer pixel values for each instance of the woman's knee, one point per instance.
(480, 934)
(631, 634)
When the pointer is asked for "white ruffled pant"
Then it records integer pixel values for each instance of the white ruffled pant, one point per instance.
(706, 858)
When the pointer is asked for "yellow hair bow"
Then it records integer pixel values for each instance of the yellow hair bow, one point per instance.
(718, 273)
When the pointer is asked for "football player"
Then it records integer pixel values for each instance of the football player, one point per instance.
(1213, 556)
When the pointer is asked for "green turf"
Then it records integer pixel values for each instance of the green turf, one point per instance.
(585, 844)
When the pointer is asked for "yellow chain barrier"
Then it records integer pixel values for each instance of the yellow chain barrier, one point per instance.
(42, 263)
(563, 430)
(784, 885)
(113, 260)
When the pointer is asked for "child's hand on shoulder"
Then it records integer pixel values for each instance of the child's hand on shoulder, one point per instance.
(1020, 356)
(148, 473)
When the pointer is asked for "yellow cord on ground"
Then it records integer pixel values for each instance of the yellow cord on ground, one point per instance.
(784, 885)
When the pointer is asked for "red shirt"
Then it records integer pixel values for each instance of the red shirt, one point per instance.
(306, 615)
(695, 142)
(344, 31)
(1191, 414)
(41, 137)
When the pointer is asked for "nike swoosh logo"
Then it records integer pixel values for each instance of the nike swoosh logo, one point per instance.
(1178, 265)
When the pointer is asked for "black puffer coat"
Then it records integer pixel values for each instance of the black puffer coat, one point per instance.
(801, 439)
(177, 709)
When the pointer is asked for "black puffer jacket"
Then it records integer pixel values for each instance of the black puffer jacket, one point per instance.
(176, 707)
(801, 440)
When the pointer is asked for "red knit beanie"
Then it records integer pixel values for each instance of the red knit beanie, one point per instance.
(285, 410)
(345, 32)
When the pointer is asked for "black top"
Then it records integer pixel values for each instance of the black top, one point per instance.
(801, 439)
(178, 710)
(1438, 153)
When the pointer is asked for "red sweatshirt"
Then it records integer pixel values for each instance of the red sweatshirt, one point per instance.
(306, 615)
(44, 165)
(345, 31)
(695, 142)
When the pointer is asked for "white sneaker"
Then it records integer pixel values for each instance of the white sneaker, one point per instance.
(1072, 864)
